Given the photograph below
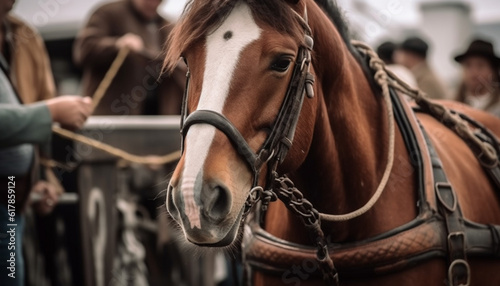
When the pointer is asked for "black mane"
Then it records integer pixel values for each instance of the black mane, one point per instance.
(336, 15)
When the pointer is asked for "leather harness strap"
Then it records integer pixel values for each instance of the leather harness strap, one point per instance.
(418, 241)
(449, 208)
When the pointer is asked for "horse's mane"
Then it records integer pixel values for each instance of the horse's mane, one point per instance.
(336, 15)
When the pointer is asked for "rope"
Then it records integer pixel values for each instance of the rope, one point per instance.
(483, 150)
(109, 76)
(146, 160)
(382, 79)
(485, 153)
(49, 163)
(385, 78)
(97, 97)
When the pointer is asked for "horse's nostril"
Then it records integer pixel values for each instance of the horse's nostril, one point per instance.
(221, 205)
(217, 201)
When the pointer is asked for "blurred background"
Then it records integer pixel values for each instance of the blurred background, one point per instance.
(448, 26)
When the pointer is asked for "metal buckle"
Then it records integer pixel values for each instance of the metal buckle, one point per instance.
(440, 189)
(451, 238)
(482, 157)
(451, 270)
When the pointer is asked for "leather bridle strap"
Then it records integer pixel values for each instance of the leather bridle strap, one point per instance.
(220, 122)
(281, 137)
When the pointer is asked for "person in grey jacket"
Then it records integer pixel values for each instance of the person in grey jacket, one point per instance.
(22, 127)
(32, 123)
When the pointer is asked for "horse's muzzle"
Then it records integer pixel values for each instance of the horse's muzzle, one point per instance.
(204, 217)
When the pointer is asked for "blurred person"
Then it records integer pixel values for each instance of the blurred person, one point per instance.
(22, 127)
(24, 62)
(386, 53)
(25, 65)
(412, 54)
(24, 57)
(480, 86)
(134, 24)
(25, 78)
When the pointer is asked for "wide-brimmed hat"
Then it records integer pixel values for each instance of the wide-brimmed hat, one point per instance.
(480, 48)
(415, 45)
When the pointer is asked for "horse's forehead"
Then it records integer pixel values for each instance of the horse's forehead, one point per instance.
(222, 50)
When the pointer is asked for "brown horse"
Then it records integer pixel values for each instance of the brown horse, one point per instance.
(242, 57)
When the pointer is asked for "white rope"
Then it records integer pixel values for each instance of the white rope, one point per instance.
(382, 79)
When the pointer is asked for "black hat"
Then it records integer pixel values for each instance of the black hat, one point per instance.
(480, 48)
(415, 45)
(385, 51)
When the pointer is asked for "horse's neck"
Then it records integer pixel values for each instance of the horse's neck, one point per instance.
(349, 151)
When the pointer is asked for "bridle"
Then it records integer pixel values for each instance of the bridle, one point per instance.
(279, 140)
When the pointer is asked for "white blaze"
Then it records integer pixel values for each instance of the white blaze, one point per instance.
(222, 57)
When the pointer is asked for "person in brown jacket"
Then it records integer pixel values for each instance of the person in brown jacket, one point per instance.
(412, 54)
(137, 87)
(25, 56)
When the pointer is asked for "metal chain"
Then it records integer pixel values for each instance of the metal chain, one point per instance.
(267, 197)
(254, 197)
(294, 200)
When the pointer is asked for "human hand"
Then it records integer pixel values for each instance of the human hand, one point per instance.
(131, 41)
(48, 197)
(70, 111)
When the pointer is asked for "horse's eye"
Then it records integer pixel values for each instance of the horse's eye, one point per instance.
(281, 64)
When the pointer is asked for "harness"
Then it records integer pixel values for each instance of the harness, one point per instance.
(438, 231)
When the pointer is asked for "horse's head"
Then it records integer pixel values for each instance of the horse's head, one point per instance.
(241, 57)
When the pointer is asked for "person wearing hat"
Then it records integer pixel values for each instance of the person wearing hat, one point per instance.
(386, 53)
(480, 86)
(412, 54)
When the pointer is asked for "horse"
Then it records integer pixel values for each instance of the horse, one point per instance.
(277, 87)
